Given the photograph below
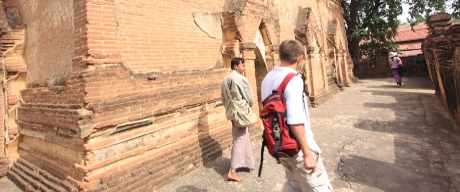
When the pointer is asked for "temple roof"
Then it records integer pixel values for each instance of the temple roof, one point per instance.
(405, 33)
(410, 40)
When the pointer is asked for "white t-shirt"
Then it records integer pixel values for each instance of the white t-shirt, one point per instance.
(296, 101)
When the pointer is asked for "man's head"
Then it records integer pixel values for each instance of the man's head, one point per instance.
(238, 64)
(291, 51)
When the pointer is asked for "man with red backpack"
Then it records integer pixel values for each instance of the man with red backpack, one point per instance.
(304, 171)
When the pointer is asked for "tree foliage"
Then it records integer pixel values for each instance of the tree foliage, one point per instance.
(421, 9)
(455, 7)
(372, 24)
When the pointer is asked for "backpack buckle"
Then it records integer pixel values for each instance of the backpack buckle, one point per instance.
(277, 135)
(276, 129)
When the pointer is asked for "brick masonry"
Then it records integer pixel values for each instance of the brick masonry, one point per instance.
(140, 105)
(415, 66)
(11, 49)
(441, 50)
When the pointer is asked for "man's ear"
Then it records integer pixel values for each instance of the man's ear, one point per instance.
(299, 60)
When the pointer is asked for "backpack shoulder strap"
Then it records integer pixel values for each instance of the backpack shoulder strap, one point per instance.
(286, 80)
(264, 143)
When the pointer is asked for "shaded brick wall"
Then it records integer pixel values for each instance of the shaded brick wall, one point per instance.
(4, 162)
(441, 50)
(415, 66)
(3, 158)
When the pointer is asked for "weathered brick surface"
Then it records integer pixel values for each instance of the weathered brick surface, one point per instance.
(31, 177)
(3, 158)
(4, 162)
(127, 99)
(140, 107)
(167, 166)
(54, 106)
(317, 25)
(11, 30)
(441, 50)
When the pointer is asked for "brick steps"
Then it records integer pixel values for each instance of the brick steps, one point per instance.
(323, 97)
(3, 165)
(27, 182)
(32, 178)
(159, 171)
(319, 100)
(18, 179)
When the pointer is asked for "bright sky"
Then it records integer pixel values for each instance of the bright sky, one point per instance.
(404, 16)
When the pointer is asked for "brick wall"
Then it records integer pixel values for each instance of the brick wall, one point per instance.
(311, 22)
(13, 69)
(52, 32)
(166, 37)
(130, 119)
(4, 162)
(379, 68)
(441, 50)
(140, 106)
(3, 158)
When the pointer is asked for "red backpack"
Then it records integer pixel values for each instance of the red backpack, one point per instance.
(277, 135)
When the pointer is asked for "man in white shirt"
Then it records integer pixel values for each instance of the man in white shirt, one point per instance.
(305, 171)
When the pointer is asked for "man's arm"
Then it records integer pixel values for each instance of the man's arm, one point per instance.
(297, 118)
(308, 160)
(247, 91)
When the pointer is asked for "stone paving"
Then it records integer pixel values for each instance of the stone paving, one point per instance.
(374, 137)
(8, 186)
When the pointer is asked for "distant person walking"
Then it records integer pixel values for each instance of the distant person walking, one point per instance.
(395, 62)
(236, 95)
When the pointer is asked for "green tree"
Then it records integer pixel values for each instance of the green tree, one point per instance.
(455, 7)
(371, 24)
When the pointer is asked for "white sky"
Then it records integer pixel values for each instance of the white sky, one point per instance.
(404, 15)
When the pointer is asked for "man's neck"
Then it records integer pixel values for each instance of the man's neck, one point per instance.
(233, 70)
(288, 65)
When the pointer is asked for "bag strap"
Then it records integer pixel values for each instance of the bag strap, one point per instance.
(286, 80)
(264, 143)
(280, 89)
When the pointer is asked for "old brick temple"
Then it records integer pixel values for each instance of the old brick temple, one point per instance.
(124, 94)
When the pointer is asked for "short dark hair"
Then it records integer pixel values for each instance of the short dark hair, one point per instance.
(236, 61)
(290, 50)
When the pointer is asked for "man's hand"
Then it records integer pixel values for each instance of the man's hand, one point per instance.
(308, 160)
(309, 163)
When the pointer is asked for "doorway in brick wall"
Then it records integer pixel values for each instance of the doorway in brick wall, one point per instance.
(261, 71)
(263, 62)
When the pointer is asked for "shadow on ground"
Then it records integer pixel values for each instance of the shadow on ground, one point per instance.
(417, 127)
